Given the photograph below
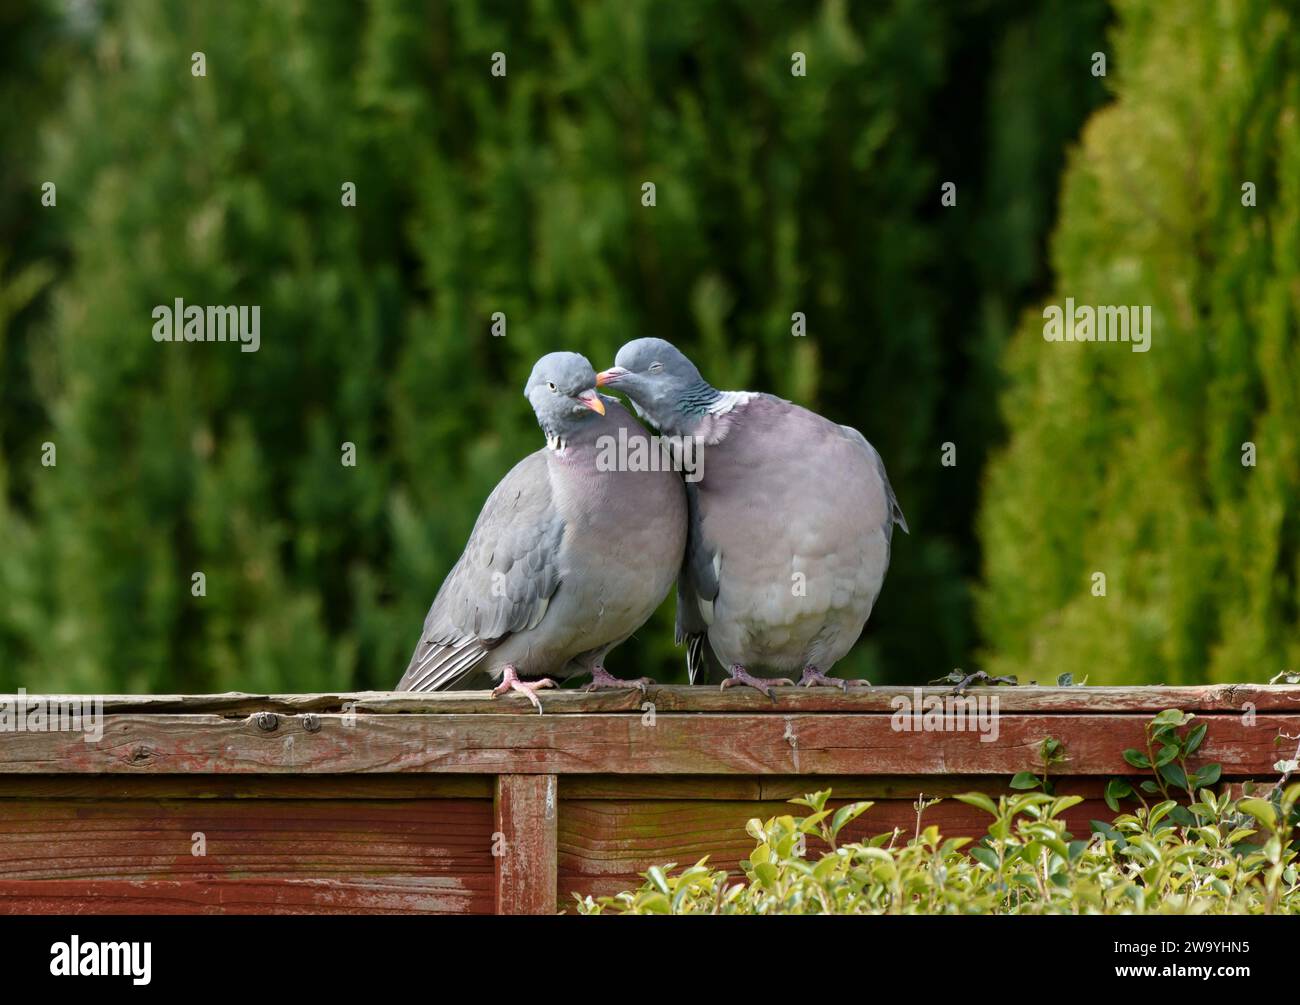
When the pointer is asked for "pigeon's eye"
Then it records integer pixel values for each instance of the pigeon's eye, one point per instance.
(551, 384)
(656, 367)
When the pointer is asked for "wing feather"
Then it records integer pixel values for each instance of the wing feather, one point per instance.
(501, 584)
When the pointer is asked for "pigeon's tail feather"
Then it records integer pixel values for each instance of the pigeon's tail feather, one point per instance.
(695, 656)
(898, 513)
(442, 664)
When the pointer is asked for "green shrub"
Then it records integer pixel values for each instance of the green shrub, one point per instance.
(1234, 857)
(1203, 575)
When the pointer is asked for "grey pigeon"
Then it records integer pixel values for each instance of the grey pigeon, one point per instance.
(790, 523)
(571, 554)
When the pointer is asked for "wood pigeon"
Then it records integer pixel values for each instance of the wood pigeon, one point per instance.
(790, 523)
(573, 551)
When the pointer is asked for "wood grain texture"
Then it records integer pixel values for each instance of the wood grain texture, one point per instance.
(434, 786)
(279, 895)
(245, 786)
(680, 698)
(327, 855)
(711, 788)
(525, 813)
(737, 743)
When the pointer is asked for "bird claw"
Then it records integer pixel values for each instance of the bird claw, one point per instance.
(812, 677)
(981, 677)
(510, 682)
(603, 680)
(740, 677)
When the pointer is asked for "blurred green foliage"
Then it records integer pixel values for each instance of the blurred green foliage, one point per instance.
(1134, 465)
(478, 194)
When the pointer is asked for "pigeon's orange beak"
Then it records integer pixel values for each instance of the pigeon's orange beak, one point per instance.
(592, 400)
(609, 376)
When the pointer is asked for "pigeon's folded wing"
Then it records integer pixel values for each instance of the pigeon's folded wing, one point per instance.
(894, 514)
(502, 583)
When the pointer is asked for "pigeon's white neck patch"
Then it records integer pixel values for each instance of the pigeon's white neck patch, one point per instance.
(557, 444)
(700, 423)
(721, 415)
(727, 400)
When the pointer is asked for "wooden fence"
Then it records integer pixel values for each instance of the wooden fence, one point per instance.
(457, 803)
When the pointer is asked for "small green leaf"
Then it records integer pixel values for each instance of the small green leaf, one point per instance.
(1174, 775)
(1167, 753)
(657, 877)
(656, 903)
(845, 814)
(1137, 758)
(1160, 811)
(1025, 780)
(1207, 775)
(766, 873)
(1064, 803)
(1117, 789)
(978, 800)
(1261, 809)
(809, 824)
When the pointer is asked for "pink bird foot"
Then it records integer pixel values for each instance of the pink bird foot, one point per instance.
(812, 677)
(603, 680)
(510, 682)
(742, 677)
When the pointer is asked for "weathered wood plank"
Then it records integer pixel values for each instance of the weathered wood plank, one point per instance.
(761, 744)
(237, 786)
(526, 812)
(148, 839)
(138, 856)
(713, 788)
(678, 698)
(434, 786)
(339, 895)
(1205, 698)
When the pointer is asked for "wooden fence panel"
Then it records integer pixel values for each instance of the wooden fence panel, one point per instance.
(460, 803)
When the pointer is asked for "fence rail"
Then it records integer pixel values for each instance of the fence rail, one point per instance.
(459, 803)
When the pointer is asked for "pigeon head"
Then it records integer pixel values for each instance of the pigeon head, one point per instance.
(661, 382)
(562, 391)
